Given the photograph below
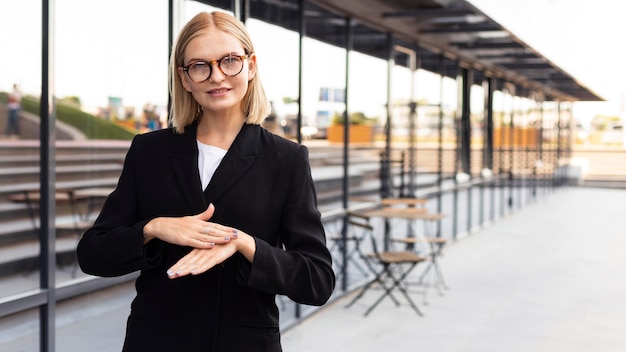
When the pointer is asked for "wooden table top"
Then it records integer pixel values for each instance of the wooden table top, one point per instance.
(403, 201)
(403, 213)
(62, 195)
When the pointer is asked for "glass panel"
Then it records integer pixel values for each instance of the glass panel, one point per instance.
(20, 331)
(400, 99)
(323, 96)
(20, 72)
(110, 89)
(367, 105)
(191, 8)
(368, 94)
(428, 99)
(477, 128)
(429, 94)
(449, 134)
(94, 321)
(277, 57)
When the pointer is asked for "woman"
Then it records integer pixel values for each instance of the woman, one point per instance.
(217, 213)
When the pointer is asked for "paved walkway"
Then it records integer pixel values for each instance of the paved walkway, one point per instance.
(551, 277)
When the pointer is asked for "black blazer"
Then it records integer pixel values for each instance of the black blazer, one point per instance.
(263, 186)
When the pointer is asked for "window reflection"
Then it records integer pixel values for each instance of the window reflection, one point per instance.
(20, 38)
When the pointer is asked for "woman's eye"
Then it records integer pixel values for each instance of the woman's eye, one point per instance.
(200, 65)
(231, 60)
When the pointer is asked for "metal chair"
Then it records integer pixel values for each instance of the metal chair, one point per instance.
(351, 246)
(432, 275)
(390, 268)
(430, 246)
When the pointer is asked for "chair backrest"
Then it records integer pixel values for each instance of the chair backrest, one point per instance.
(408, 202)
(361, 224)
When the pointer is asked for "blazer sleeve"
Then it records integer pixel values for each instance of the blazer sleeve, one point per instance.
(114, 245)
(302, 270)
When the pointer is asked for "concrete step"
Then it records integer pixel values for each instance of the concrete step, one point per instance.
(24, 256)
(21, 174)
(18, 160)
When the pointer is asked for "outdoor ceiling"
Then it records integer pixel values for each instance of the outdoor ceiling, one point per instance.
(444, 33)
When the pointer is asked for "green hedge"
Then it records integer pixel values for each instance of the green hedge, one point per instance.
(92, 126)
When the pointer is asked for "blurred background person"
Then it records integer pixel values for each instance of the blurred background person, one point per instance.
(14, 104)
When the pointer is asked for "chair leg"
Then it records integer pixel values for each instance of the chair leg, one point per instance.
(351, 257)
(378, 279)
(396, 283)
(437, 280)
(404, 291)
(421, 280)
(442, 282)
(361, 293)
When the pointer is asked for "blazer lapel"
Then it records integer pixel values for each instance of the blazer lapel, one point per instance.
(241, 155)
(184, 158)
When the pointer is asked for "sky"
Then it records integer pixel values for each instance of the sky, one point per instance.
(118, 48)
(582, 37)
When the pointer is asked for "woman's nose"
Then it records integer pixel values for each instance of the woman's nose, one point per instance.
(216, 73)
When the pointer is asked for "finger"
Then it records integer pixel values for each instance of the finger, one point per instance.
(194, 263)
(202, 243)
(208, 213)
(184, 266)
(218, 233)
(209, 259)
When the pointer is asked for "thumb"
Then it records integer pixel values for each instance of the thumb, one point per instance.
(208, 213)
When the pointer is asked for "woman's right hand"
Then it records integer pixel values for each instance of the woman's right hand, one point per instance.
(193, 231)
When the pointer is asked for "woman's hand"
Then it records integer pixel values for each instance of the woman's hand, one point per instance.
(200, 260)
(193, 231)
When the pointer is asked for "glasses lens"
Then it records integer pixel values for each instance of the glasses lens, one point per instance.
(199, 71)
(231, 65)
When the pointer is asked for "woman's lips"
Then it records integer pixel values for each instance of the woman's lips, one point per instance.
(219, 91)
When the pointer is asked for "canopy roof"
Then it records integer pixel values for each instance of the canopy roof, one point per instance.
(444, 34)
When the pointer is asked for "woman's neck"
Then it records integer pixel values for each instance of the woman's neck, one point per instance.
(218, 131)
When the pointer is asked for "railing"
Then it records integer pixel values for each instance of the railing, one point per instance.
(469, 205)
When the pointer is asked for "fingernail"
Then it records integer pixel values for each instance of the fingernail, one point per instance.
(235, 233)
(211, 244)
(226, 238)
(170, 273)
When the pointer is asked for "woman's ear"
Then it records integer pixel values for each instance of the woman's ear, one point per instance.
(183, 79)
(251, 66)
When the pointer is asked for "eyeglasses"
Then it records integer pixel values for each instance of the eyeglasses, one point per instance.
(230, 65)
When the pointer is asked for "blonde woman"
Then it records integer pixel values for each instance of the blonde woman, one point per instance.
(217, 213)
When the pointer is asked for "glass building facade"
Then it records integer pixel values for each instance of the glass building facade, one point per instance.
(94, 74)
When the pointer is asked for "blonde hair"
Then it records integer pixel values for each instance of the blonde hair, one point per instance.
(185, 110)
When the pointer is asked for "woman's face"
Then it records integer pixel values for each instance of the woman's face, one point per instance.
(219, 93)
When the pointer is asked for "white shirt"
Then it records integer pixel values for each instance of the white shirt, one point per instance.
(14, 100)
(209, 157)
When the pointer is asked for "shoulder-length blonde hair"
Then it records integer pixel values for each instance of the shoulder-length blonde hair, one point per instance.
(185, 110)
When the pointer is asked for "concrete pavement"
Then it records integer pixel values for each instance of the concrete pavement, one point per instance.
(551, 277)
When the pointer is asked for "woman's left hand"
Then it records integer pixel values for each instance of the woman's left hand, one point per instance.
(199, 260)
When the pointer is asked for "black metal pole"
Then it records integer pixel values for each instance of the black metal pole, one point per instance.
(47, 206)
(346, 155)
(300, 53)
(170, 43)
(440, 126)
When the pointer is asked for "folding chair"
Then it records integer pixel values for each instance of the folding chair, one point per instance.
(390, 268)
(349, 244)
(432, 268)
